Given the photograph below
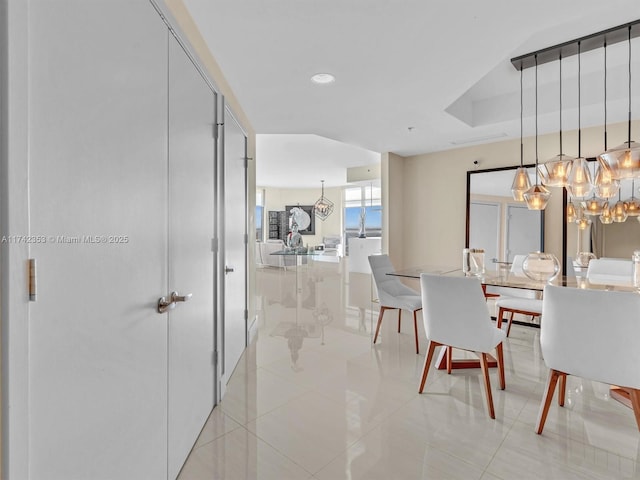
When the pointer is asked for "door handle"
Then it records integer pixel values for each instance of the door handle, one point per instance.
(164, 304)
(175, 297)
(229, 269)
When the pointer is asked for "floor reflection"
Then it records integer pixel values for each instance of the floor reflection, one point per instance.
(312, 398)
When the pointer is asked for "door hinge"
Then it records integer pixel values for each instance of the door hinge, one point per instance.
(214, 357)
(216, 130)
(246, 314)
(246, 239)
(33, 291)
(214, 245)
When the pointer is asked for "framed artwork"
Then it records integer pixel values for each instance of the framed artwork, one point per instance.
(311, 229)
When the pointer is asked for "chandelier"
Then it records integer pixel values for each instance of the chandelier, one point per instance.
(323, 206)
(623, 162)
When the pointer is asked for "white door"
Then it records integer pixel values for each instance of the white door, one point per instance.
(484, 229)
(235, 251)
(98, 196)
(523, 231)
(191, 232)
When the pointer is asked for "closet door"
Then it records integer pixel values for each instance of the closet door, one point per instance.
(235, 247)
(98, 197)
(191, 231)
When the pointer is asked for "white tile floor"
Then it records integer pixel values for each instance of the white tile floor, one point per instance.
(313, 399)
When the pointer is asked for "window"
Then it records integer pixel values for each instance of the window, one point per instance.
(359, 200)
(259, 214)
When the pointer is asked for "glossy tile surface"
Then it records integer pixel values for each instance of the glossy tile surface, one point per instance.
(312, 398)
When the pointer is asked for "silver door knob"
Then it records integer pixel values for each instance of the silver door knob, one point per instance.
(229, 269)
(175, 297)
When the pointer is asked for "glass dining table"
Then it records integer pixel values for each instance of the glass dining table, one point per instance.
(510, 280)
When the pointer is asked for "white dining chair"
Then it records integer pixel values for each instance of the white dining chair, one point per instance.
(591, 334)
(393, 294)
(455, 315)
(610, 271)
(518, 301)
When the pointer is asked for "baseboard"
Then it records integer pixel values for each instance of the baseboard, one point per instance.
(252, 330)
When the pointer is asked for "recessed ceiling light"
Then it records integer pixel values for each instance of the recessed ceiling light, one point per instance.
(323, 78)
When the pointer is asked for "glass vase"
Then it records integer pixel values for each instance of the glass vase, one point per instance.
(541, 266)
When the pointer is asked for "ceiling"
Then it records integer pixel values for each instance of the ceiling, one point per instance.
(412, 76)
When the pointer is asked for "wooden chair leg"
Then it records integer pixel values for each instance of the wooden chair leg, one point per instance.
(509, 323)
(399, 318)
(487, 384)
(427, 364)
(546, 399)
(634, 395)
(499, 319)
(562, 389)
(415, 329)
(382, 309)
(449, 359)
(500, 355)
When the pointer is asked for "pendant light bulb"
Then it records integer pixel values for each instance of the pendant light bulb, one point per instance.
(521, 183)
(605, 217)
(619, 212)
(594, 206)
(572, 214)
(632, 204)
(537, 197)
(605, 185)
(583, 223)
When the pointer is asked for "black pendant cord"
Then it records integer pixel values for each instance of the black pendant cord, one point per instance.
(560, 63)
(605, 95)
(629, 128)
(579, 113)
(536, 60)
(521, 113)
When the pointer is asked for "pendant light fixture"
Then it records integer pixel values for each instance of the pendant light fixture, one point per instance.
(521, 182)
(582, 220)
(624, 160)
(537, 196)
(632, 204)
(605, 217)
(594, 205)
(323, 206)
(579, 182)
(604, 184)
(619, 211)
(572, 213)
(555, 172)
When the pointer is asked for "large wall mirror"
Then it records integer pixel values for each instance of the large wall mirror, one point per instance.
(618, 239)
(496, 222)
